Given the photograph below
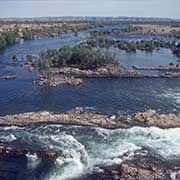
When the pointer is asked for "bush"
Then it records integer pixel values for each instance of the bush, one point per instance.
(44, 65)
(3, 42)
(10, 38)
(27, 34)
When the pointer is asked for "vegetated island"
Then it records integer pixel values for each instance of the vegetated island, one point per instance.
(72, 64)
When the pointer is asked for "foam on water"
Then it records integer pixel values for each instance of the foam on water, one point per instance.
(73, 160)
(87, 149)
(33, 160)
(8, 138)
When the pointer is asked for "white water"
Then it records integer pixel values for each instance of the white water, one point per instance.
(86, 149)
(33, 161)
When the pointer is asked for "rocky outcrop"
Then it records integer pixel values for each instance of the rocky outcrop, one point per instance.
(152, 118)
(139, 168)
(57, 80)
(89, 117)
(74, 76)
(107, 71)
(78, 116)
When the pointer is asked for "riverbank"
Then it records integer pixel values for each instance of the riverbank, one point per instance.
(88, 117)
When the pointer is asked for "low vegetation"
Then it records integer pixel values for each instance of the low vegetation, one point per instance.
(114, 31)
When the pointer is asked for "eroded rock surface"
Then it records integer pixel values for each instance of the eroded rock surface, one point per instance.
(152, 118)
(75, 76)
(79, 116)
(109, 70)
(88, 117)
(61, 79)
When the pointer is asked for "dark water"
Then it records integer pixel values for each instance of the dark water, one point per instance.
(107, 95)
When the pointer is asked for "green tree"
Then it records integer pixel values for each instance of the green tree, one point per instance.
(45, 65)
(27, 34)
(3, 42)
(10, 38)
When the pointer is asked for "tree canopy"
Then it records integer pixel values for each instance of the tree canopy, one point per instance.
(81, 56)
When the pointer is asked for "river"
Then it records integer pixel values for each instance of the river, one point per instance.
(86, 149)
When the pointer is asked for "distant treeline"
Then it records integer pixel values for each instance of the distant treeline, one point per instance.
(11, 37)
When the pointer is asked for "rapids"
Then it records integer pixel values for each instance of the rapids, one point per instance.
(87, 149)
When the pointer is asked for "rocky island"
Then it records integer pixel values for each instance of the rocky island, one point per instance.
(71, 65)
